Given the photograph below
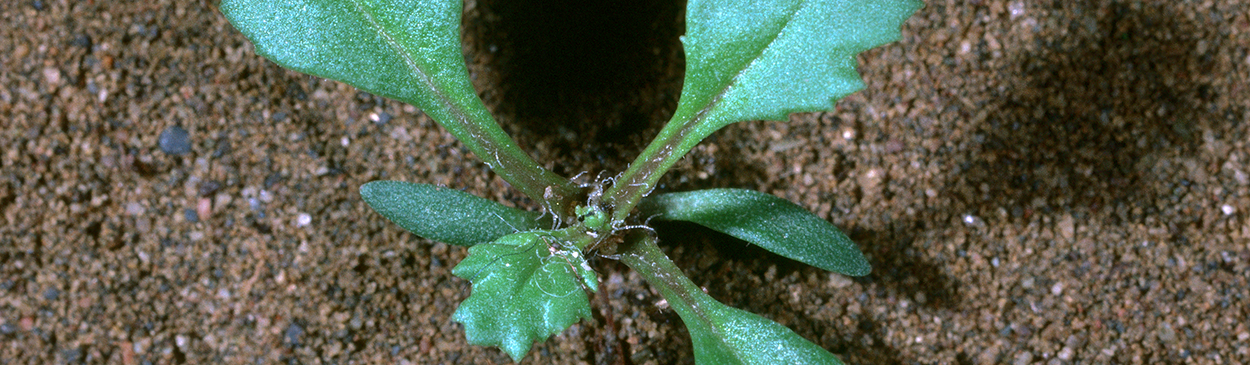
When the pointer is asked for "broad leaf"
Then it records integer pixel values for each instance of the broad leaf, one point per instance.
(526, 287)
(753, 60)
(721, 334)
(401, 49)
(760, 60)
(773, 223)
(445, 215)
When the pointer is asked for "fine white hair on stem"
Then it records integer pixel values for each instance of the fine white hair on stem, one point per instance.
(505, 221)
(635, 226)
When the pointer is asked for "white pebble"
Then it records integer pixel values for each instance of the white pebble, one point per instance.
(1057, 289)
(134, 208)
(52, 75)
(1228, 209)
(1066, 353)
(303, 220)
(181, 341)
(994, 261)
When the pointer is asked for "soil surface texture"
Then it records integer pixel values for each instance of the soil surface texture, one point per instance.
(1033, 182)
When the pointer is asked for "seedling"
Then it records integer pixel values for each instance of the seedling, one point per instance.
(745, 60)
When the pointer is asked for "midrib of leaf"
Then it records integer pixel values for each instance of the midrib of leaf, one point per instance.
(679, 137)
(646, 258)
(531, 183)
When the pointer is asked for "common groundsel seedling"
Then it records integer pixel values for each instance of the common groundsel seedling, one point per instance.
(745, 60)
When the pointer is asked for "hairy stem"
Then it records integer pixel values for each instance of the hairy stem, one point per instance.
(677, 138)
(682, 295)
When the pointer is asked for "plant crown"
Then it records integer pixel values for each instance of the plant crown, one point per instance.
(745, 60)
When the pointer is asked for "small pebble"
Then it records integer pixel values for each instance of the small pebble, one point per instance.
(838, 281)
(191, 215)
(207, 188)
(204, 208)
(1056, 289)
(303, 220)
(1066, 353)
(293, 334)
(175, 140)
(1228, 209)
(52, 75)
(1024, 358)
(82, 40)
(1067, 227)
(380, 118)
(51, 294)
(134, 208)
(1166, 333)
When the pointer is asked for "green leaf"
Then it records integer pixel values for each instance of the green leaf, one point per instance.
(720, 334)
(753, 60)
(760, 60)
(445, 215)
(728, 335)
(407, 50)
(526, 287)
(773, 223)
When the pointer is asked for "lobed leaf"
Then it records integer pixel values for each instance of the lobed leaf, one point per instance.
(407, 50)
(445, 215)
(760, 60)
(773, 223)
(526, 288)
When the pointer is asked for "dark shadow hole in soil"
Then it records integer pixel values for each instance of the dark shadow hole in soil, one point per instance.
(1092, 110)
(717, 261)
(603, 70)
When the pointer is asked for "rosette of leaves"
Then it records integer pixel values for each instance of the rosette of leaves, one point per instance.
(745, 60)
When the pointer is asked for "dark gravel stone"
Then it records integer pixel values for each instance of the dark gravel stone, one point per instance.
(82, 40)
(272, 180)
(51, 294)
(191, 215)
(209, 187)
(293, 334)
(175, 140)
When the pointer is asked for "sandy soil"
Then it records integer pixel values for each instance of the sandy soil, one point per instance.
(1034, 183)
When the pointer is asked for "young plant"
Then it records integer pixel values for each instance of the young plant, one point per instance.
(745, 60)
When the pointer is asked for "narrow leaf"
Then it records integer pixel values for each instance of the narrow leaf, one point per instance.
(407, 50)
(730, 335)
(445, 215)
(721, 334)
(526, 287)
(760, 60)
(773, 223)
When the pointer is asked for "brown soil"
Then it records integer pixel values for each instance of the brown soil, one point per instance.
(1059, 183)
